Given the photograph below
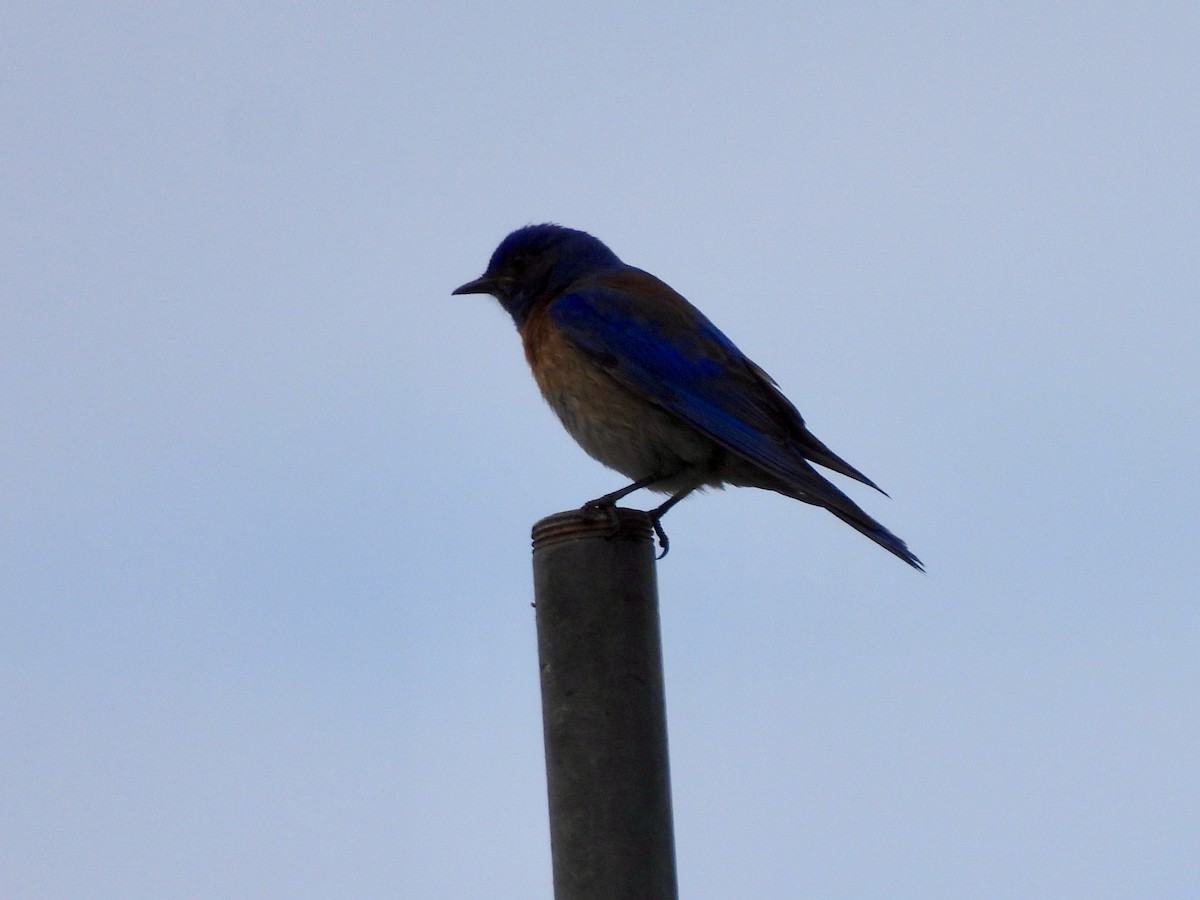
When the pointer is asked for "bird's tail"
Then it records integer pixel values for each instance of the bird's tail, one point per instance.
(880, 535)
(853, 515)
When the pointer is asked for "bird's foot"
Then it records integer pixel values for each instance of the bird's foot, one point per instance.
(663, 541)
(608, 508)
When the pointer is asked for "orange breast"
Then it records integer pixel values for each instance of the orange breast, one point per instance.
(558, 367)
(624, 431)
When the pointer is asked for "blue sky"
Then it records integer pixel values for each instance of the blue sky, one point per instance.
(266, 487)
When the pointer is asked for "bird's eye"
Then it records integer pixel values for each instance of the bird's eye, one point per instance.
(518, 264)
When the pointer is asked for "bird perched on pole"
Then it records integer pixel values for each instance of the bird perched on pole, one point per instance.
(650, 387)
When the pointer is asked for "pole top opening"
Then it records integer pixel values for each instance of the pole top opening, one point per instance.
(576, 524)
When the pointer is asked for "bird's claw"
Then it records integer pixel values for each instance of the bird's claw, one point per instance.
(663, 541)
(610, 509)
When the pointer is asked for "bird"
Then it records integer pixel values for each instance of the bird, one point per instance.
(648, 386)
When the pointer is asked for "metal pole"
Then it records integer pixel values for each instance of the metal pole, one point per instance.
(603, 708)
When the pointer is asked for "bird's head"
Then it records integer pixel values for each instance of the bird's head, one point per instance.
(539, 261)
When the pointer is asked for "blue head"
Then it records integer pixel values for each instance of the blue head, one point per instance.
(539, 261)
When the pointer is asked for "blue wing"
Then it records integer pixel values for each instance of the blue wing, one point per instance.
(658, 345)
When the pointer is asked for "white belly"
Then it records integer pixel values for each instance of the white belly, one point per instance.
(623, 432)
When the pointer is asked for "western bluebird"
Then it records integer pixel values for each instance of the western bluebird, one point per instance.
(650, 387)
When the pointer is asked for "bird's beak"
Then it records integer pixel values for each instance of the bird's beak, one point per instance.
(481, 285)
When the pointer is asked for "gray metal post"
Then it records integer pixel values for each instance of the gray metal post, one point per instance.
(603, 708)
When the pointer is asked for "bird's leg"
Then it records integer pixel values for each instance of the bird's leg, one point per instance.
(608, 502)
(611, 499)
(659, 511)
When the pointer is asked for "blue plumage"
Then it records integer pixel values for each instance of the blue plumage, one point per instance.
(650, 387)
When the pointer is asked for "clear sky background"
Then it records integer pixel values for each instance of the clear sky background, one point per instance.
(266, 487)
